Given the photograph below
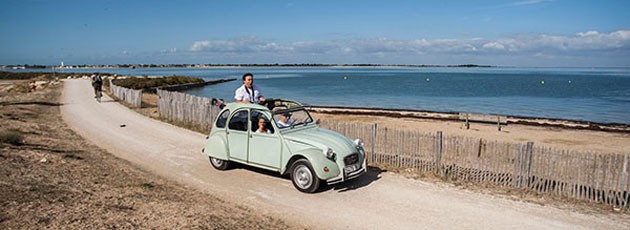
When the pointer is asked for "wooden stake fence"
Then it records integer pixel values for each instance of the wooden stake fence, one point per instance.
(131, 96)
(596, 177)
(187, 109)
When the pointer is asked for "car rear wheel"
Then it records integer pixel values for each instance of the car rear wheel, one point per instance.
(303, 176)
(219, 164)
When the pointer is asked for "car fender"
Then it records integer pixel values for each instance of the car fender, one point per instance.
(216, 147)
(318, 161)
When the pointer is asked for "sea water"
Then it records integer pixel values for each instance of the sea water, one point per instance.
(586, 94)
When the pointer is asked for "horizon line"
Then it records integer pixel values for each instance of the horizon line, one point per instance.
(199, 65)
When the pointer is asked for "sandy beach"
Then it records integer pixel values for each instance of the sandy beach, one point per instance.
(550, 136)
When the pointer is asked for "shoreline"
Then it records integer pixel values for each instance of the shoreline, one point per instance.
(559, 136)
(613, 121)
(455, 116)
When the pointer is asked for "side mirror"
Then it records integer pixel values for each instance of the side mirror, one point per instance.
(317, 121)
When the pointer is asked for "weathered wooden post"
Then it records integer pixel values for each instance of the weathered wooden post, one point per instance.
(373, 143)
(625, 181)
(522, 166)
(529, 151)
(438, 155)
(516, 174)
(499, 122)
(467, 123)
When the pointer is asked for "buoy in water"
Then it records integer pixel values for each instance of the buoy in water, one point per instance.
(345, 77)
(542, 82)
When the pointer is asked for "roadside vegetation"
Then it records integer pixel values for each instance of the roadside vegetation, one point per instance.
(147, 82)
(12, 137)
(4, 75)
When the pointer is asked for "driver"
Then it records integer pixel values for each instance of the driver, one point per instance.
(248, 92)
(285, 120)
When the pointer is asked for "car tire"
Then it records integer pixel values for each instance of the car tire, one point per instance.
(219, 164)
(303, 176)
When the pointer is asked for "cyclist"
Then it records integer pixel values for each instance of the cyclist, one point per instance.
(97, 83)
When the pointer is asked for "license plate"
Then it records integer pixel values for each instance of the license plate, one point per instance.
(351, 168)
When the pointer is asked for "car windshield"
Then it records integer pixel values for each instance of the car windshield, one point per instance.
(292, 118)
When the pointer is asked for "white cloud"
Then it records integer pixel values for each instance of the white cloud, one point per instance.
(244, 44)
(588, 33)
(199, 45)
(544, 45)
(621, 35)
(494, 45)
(584, 41)
(590, 40)
(530, 2)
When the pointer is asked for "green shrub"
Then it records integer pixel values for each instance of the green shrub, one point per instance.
(146, 82)
(18, 76)
(4, 75)
(11, 137)
(147, 185)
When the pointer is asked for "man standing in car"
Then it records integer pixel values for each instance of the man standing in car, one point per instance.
(248, 92)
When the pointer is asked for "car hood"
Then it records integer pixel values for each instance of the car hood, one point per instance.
(323, 139)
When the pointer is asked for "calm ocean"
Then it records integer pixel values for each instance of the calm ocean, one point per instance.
(587, 94)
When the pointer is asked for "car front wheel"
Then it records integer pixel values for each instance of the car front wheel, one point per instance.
(303, 176)
(219, 164)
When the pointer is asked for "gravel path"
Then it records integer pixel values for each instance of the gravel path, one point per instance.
(378, 200)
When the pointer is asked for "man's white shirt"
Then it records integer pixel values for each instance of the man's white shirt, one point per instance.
(244, 94)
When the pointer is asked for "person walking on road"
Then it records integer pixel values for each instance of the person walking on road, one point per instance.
(97, 83)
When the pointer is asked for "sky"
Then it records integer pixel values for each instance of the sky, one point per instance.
(536, 33)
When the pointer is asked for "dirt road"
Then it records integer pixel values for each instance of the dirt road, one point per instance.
(378, 200)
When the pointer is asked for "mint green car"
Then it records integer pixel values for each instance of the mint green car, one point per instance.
(283, 137)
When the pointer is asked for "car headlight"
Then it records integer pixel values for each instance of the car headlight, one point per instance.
(358, 143)
(330, 154)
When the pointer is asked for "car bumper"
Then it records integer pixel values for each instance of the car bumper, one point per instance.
(345, 176)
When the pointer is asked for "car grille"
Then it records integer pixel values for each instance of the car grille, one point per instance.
(351, 159)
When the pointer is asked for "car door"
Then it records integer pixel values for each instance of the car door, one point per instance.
(238, 135)
(264, 148)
